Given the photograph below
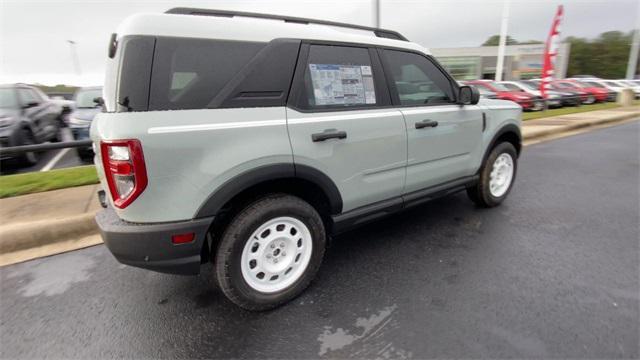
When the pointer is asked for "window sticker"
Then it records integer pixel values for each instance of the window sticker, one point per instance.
(335, 84)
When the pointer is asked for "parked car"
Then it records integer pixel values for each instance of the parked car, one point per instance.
(554, 99)
(88, 102)
(612, 93)
(285, 135)
(27, 117)
(619, 85)
(569, 97)
(526, 101)
(594, 94)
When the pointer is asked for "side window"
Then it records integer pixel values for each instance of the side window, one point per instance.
(418, 81)
(338, 77)
(27, 96)
(189, 73)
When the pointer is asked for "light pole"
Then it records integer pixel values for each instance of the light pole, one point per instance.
(635, 47)
(74, 57)
(503, 40)
(376, 13)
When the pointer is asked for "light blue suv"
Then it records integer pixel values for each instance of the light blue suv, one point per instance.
(245, 140)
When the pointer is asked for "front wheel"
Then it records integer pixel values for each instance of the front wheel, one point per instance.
(496, 176)
(270, 252)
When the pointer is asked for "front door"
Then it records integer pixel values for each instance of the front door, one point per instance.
(442, 135)
(340, 123)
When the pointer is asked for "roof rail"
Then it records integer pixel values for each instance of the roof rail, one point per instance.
(382, 33)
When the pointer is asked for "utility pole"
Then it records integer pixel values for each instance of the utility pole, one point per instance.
(635, 47)
(503, 39)
(376, 13)
(74, 57)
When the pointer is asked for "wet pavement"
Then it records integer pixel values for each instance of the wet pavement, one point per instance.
(551, 273)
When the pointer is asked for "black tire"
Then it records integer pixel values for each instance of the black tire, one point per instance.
(480, 193)
(29, 158)
(229, 252)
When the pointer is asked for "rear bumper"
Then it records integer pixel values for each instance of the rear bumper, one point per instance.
(149, 246)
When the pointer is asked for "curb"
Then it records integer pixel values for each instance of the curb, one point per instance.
(19, 238)
(24, 236)
(579, 125)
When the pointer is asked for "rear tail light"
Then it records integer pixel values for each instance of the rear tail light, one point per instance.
(124, 169)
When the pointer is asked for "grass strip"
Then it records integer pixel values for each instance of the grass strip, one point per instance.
(29, 183)
(568, 110)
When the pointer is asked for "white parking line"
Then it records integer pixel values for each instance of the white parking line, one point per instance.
(55, 159)
(66, 136)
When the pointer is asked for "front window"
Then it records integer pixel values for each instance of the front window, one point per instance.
(84, 98)
(418, 80)
(8, 98)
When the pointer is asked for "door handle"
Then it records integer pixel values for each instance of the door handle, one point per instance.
(426, 123)
(329, 134)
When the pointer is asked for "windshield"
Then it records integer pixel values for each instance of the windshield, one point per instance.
(531, 85)
(500, 87)
(594, 84)
(512, 87)
(84, 98)
(8, 98)
(484, 91)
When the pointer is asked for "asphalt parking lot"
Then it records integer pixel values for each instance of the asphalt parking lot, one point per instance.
(551, 273)
(49, 160)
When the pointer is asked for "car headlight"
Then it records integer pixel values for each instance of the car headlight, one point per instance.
(5, 121)
(78, 122)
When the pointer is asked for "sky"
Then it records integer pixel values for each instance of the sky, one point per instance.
(34, 33)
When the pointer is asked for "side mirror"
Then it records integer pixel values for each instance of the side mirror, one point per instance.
(468, 95)
(99, 101)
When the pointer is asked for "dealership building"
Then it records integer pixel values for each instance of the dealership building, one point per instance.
(521, 61)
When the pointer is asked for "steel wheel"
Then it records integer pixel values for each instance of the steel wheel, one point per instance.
(276, 255)
(501, 175)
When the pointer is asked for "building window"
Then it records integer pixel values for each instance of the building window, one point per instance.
(462, 68)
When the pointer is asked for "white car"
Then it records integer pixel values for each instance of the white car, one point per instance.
(554, 99)
(619, 85)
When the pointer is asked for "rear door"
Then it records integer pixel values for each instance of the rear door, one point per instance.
(35, 110)
(442, 135)
(341, 122)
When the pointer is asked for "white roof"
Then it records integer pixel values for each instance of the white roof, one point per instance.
(249, 29)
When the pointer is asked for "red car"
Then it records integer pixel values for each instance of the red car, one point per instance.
(590, 94)
(527, 101)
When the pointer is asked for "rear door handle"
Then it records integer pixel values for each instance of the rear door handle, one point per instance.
(426, 123)
(329, 134)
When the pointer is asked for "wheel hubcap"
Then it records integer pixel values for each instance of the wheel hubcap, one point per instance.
(501, 175)
(276, 255)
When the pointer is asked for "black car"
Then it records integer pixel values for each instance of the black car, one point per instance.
(88, 102)
(27, 116)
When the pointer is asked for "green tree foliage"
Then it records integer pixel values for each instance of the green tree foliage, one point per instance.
(605, 57)
(494, 40)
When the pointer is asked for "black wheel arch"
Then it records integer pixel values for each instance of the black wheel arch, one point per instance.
(509, 133)
(272, 173)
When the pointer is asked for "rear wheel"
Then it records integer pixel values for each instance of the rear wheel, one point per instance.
(496, 176)
(270, 252)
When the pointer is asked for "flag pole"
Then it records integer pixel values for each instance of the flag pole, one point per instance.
(503, 39)
(635, 47)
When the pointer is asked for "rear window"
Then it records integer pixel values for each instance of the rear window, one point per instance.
(189, 73)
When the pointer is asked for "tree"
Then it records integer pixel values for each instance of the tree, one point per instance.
(494, 40)
(606, 56)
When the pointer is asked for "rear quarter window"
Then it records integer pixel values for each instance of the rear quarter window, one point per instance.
(189, 73)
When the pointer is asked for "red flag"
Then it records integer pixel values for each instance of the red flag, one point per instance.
(550, 52)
